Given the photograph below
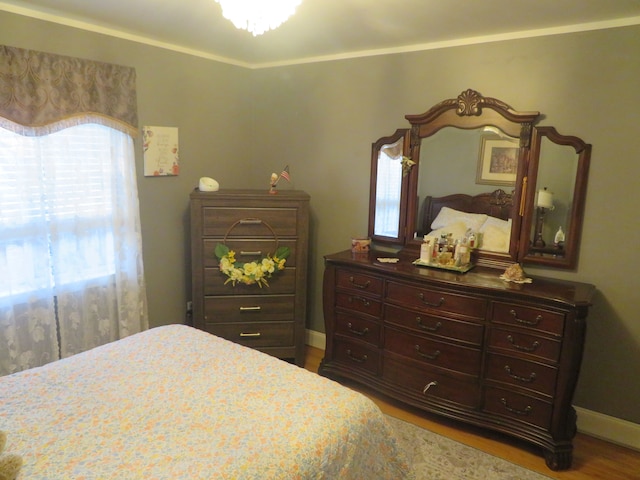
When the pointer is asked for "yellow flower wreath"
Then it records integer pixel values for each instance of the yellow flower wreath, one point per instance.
(252, 272)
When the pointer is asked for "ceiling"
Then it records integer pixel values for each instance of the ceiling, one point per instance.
(329, 29)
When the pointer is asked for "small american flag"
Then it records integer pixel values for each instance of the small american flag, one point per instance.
(285, 174)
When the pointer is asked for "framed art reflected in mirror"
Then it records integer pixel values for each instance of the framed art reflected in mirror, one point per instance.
(497, 160)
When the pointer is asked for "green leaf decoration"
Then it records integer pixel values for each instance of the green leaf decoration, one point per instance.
(282, 252)
(221, 250)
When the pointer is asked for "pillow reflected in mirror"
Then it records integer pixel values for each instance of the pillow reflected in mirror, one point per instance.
(456, 229)
(448, 216)
(495, 234)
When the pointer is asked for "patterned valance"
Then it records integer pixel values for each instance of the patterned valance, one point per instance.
(42, 92)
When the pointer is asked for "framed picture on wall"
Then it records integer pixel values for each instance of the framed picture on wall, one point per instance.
(498, 162)
(161, 152)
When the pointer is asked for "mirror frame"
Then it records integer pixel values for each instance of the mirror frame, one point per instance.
(574, 230)
(470, 110)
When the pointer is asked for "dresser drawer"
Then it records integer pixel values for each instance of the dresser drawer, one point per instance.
(356, 355)
(515, 371)
(522, 408)
(435, 300)
(432, 352)
(441, 387)
(247, 250)
(359, 303)
(218, 221)
(358, 327)
(255, 334)
(348, 280)
(249, 308)
(281, 283)
(434, 325)
(528, 317)
(516, 341)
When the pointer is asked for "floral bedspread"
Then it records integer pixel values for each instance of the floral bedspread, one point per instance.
(174, 402)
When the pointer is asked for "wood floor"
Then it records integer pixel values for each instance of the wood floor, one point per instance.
(592, 458)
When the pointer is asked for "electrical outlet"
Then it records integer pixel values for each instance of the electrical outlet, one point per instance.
(189, 306)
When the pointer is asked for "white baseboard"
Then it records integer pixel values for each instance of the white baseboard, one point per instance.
(611, 429)
(316, 339)
(605, 427)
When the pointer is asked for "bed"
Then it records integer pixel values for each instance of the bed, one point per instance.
(486, 214)
(174, 402)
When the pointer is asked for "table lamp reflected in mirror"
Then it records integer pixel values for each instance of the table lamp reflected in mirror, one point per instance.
(544, 204)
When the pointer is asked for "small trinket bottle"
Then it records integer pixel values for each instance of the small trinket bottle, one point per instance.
(425, 250)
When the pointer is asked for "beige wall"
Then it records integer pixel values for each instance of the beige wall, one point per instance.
(240, 125)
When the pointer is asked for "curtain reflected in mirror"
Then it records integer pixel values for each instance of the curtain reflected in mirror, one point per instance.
(389, 190)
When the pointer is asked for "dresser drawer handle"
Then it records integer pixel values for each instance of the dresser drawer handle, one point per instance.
(435, 328)
(432, 356)
(250, 335)
(429, 304)
(356, 359)
(428, 386)
(534, 346)
(534, 322)
(526, 411)
(254, 253)
(364, 301)
(250, 221)
(362, 332)
(363, 286)
(256, 308)
(531, 378)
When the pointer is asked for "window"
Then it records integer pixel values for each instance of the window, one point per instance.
(69, 231)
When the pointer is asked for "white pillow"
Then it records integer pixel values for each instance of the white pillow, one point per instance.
(496, 234)
(448, 216)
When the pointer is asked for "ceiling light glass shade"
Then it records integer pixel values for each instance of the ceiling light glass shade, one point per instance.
(258, 16)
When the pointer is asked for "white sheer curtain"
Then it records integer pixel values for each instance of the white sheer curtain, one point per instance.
(71, 273)
(388, 190)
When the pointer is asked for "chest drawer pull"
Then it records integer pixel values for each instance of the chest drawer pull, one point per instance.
(534, 346)
(247, 253)
(429, 328)
(363, 286)
(531, 378)
(250, 221)
(428, 386)
(251, 335)
(527, 410)
(429, 304)
(364, 301)
(361, 359)
(533, 322)
(432, 356)
(362, 332)
(257, 308)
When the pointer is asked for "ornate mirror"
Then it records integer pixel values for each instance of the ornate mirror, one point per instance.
(556, 205)
(477, 155)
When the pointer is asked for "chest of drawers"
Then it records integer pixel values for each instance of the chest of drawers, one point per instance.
(253, 224)
(467, 346)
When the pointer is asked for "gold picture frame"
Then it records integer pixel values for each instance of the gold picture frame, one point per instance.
(498, 161)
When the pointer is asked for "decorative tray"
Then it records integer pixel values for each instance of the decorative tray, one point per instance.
(452, 268)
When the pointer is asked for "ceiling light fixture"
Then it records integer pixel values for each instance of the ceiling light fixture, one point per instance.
(258, 16)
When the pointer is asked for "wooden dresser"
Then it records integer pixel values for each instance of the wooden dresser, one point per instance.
(470, 346)
(253, 223)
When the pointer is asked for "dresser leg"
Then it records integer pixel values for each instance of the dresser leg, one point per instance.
(559, 459)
